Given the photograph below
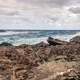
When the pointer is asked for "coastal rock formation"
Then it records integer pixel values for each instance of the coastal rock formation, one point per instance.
(75, 39)
(54, 42)
(57, 60)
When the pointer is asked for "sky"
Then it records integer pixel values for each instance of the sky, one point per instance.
(40, 14)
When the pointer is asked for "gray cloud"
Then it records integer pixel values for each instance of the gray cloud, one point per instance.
(50, 3)
(75, 10)
(40, 12)
(53, 19)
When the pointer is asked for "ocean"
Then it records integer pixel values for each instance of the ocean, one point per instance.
(17, 37)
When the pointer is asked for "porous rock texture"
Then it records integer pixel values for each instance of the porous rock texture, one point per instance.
(57, 60)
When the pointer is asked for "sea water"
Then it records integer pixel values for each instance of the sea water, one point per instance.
(18, 37)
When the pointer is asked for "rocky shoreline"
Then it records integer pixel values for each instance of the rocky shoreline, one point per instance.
(57, 60)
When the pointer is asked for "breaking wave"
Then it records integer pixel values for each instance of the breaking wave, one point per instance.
(35, 36)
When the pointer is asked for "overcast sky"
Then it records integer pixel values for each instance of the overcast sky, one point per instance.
(39, 14)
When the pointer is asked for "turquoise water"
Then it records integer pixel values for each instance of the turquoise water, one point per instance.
(17, 37)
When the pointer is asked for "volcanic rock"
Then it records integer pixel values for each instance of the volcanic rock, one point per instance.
(40, 61)
(54, 42)
(75, 39)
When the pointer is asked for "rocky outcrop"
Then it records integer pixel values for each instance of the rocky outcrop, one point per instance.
(75, 39)
(54, 42)
(58, 60)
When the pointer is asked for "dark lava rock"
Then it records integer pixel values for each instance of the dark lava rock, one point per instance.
(75, 39)
(5, 44)
(54, 42)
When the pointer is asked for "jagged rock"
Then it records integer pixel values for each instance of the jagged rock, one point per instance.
(9, 53)
(23, 62)
(43, 54)
(54, 42)
(75, 39)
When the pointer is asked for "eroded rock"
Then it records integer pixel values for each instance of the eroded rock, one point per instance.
(40, 61)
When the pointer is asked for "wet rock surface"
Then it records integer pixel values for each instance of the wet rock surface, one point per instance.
(56, 60)
(75, 39)
(55, 42)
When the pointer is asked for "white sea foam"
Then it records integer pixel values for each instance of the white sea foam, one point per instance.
(77, 34)
(10, 33)
(30, 41)
(66, 37)
(44, 39)
(32, 37)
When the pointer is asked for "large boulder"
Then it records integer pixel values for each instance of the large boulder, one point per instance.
(54, 42)
(75, 39)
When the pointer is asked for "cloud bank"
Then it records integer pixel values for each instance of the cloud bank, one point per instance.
(40, 14)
